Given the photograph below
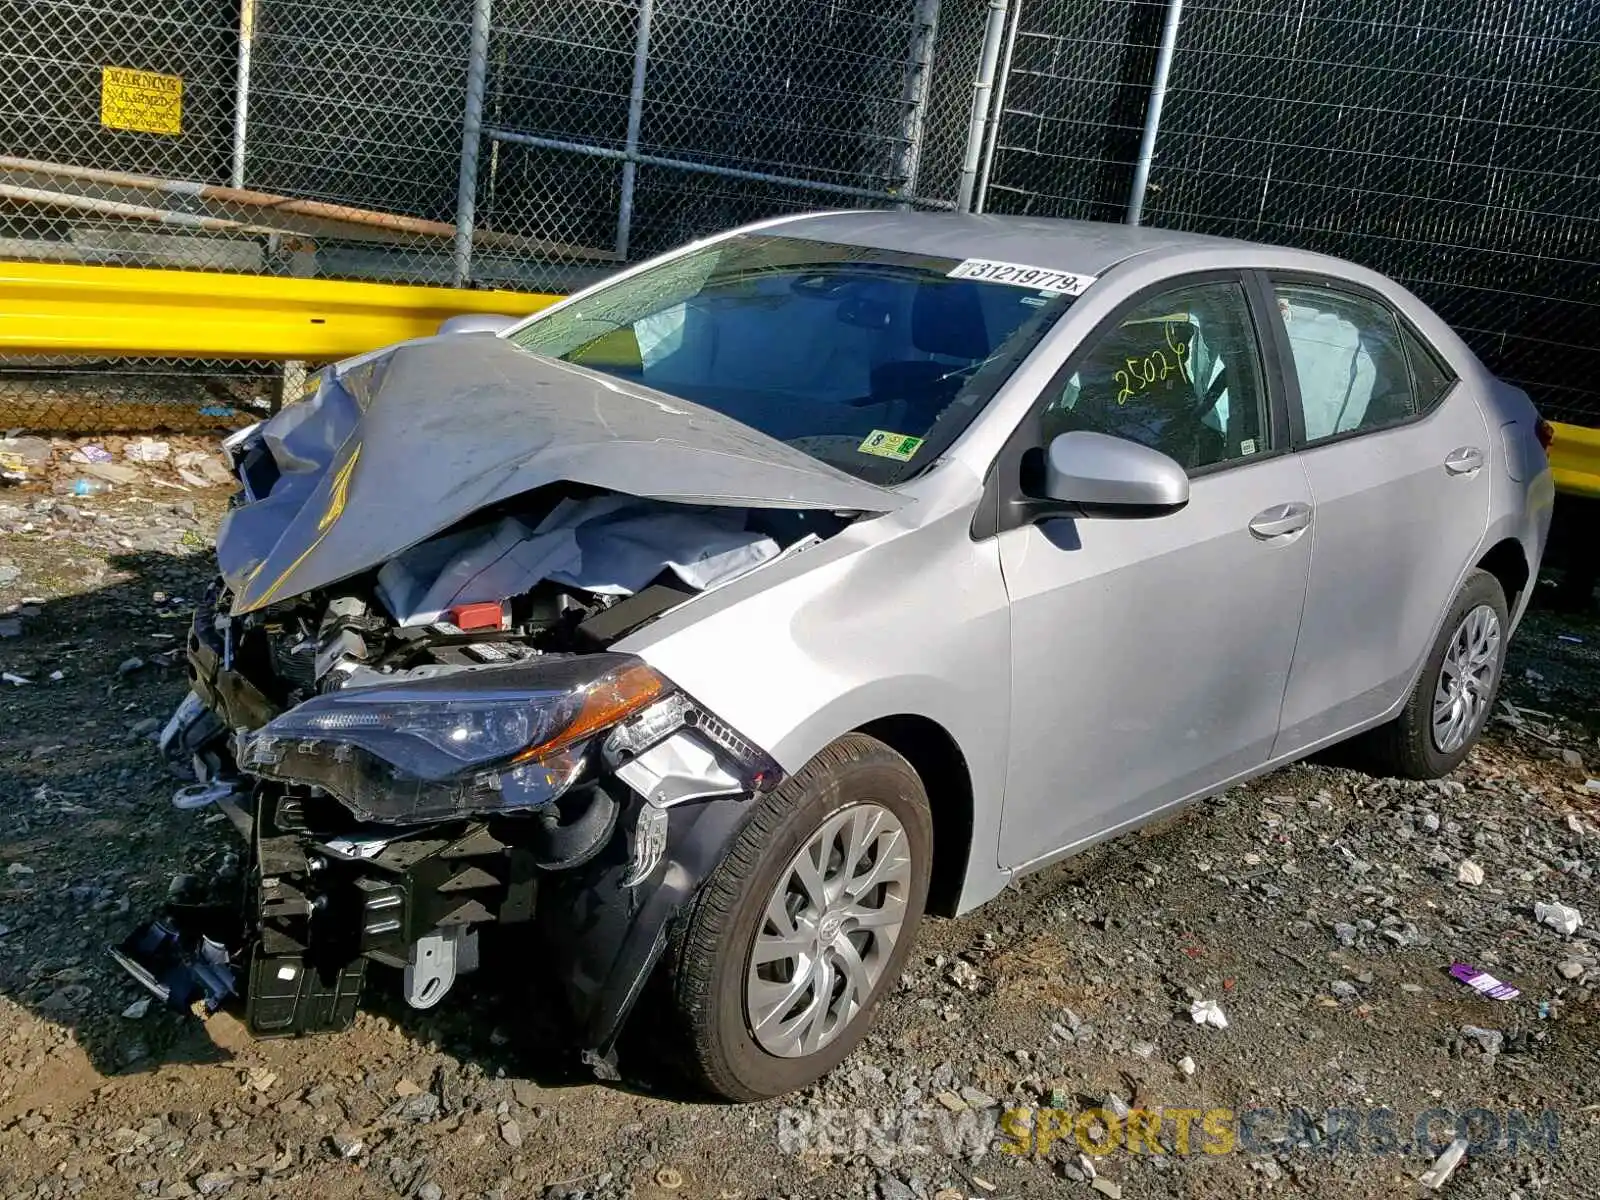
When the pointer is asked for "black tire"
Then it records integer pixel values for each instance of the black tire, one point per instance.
(1405, 746)
(709, 956)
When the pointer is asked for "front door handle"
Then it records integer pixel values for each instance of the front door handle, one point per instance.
(1463, 461)
(1281, 519)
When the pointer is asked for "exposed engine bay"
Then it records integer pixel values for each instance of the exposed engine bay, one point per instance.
(443, 740)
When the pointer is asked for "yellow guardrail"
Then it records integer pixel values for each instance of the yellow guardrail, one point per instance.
(1575, 459)
(56, 309)
(63, 309)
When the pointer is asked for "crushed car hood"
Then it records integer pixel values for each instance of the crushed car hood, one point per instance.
(404, 444)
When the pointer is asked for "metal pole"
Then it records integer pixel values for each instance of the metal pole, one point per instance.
(241, 89)
(1152, 114)
(685, 164)
(914, 95)
(993, 34)
(630, 164)
(997, 111)
(471, 129)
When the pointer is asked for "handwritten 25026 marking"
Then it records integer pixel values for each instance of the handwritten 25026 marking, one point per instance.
(1140, 375)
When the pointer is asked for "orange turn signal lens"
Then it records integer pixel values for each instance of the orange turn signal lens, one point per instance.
(613, 697)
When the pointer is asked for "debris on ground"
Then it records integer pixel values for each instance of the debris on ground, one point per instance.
(1436, 1176)
(1560, 917)
(90, 467)
(1484, 983)
(147, 450)
(1208, 1012)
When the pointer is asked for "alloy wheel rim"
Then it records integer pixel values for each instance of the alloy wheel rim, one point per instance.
(828, 931)
(1466, 679)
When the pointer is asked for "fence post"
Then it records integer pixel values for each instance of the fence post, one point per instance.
(997, 110)
(630, 165)
(241, 89)
(471, 129)
(1152, 112)
(982, 87)
(914, 97)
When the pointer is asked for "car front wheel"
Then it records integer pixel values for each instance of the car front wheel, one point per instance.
(1452, 700)
(805, 924)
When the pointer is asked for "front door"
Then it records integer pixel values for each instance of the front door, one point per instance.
(1150, 655)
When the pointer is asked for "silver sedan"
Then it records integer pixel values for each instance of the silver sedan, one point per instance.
(840, 569)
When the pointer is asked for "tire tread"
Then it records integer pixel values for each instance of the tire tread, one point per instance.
(698, 937)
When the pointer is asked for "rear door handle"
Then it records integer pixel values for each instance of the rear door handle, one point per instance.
(1281, 519)
(1463, 461)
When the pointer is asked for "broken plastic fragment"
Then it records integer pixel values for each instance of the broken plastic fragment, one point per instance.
(1208, 1012)
(1559, 917)
(1484, 983)
(178, 968)
(1436, 1176)
(649, 843)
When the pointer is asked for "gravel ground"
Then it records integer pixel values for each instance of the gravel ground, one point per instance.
(1320, 909)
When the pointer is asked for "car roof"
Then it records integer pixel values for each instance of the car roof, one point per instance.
(1081, 247)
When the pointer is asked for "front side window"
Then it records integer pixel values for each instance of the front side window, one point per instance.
(1181, 373)
(1349, 359)
(871, 360)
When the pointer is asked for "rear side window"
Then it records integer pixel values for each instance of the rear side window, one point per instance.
(1349, 358)
(1429, 378)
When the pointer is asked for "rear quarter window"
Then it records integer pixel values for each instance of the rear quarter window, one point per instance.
(1430, 378)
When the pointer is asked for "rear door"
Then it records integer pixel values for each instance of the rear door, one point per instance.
(1397, 452)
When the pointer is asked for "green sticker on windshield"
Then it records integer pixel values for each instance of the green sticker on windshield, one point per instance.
(890, 445)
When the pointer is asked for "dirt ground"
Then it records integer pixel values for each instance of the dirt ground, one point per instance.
(1319, 908)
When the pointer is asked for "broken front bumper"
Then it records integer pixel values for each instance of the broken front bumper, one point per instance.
(594, 885)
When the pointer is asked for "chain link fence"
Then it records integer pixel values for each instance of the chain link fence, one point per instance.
(535, 144)
(1450, 144)
(318, 139)
(617, 130)
(528, 144)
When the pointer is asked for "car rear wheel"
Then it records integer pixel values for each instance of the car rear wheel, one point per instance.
(804, 926)
(1455, 694)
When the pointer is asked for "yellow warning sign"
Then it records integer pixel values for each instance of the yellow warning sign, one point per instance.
(141, 100)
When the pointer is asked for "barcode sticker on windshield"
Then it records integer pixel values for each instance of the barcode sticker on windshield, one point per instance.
(1022, 275)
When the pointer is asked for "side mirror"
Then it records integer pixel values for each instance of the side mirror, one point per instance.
(1112, 476)
(477, 323)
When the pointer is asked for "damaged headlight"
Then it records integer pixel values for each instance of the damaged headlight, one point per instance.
(501, 739)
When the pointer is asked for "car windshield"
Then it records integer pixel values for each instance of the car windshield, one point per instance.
(870, 360)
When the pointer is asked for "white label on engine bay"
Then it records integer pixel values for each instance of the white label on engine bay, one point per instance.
(1021, 275)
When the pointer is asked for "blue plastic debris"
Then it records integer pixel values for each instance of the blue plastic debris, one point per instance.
(177, 970)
